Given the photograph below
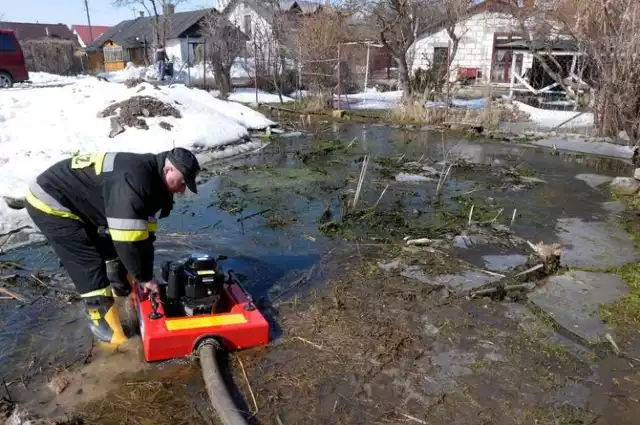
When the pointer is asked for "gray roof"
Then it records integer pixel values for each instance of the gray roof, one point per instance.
(268, 9)
(134, 32)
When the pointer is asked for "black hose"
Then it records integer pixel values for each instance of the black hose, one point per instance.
(218, 394)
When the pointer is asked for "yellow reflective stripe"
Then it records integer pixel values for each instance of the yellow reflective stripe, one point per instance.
(87, 160)
(128, 235)
(103, 292)
(39, 205)
(205, 322)
(152, 226)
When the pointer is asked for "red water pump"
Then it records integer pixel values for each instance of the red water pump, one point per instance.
(197, 301)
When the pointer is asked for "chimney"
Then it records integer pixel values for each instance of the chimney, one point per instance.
(141, 13)
(169, 9)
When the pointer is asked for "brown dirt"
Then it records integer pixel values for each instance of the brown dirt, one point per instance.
(134, 109)
(132, 82)
(377, 348)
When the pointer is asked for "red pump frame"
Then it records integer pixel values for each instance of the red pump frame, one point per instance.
(243, 326)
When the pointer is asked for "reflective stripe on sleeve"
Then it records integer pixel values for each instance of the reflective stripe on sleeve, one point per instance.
(128, 235)
(152, 225)
(126, 223)
(127, 229)
(109, 161)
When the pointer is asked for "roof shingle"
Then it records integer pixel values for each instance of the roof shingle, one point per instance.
(25, 31)
(135, 32)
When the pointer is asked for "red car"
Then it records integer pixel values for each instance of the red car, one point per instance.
(13, 68)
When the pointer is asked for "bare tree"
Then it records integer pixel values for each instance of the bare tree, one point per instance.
(397, 24)
(605, 32)
(222, 44)
(157, 10)
(317, 38)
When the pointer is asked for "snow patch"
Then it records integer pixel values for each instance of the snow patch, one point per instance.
(548, 118)
(371, 99)
(249, 96)
(39, 127)
(584, 146)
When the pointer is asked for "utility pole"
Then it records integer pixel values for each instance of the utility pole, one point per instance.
(86, 7)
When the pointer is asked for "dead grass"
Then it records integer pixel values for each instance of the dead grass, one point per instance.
(316, 102)
(489, 117)
(162, 398)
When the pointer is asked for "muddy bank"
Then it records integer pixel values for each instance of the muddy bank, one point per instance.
(367, 298)
(377, 348)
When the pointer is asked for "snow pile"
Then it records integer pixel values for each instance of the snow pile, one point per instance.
(249, 96)
(41, 126)
(545, 118)
(241, 69)
(130, 72)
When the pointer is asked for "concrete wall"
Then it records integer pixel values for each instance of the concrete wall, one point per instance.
(476, 46)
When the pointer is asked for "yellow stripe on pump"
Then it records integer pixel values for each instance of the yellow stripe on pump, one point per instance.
(205, 322)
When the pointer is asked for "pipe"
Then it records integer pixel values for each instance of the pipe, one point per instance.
(218, 394)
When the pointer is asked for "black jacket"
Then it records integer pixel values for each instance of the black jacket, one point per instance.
(121, 192)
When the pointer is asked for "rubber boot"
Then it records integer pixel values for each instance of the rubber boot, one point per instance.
(104, 320)
(117, 275)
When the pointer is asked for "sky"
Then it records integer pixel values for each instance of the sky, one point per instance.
(72, 12)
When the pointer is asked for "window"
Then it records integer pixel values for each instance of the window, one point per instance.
(440, 57)
(247, 25)
(113, 54)
(6, 43)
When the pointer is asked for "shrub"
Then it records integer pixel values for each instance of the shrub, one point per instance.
(51, 55)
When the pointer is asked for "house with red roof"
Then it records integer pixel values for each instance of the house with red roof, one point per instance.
(86, 36)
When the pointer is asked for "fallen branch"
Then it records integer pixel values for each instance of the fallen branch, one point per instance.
(253, 397)
(381, 195)
(422, 241)
(616, 349)
(532, 269)
(306, 341)
(490, 291)
(420, 421)
(13, 295)
(253, 215)
(363, 171)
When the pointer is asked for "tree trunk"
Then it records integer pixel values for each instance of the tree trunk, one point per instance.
(223, 78)
(403, 77)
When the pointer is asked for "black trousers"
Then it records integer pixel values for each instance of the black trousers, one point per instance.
(81, 250)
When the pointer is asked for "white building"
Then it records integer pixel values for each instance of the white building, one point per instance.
(255, 18)
(482, 54)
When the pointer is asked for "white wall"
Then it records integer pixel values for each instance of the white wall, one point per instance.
(476, 45)
(261, 35)
(177, 49)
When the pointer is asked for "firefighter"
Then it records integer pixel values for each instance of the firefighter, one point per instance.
(98, 213)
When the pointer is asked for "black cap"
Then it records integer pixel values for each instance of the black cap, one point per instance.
(187, 164)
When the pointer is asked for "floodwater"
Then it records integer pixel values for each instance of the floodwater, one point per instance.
(268, 213)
